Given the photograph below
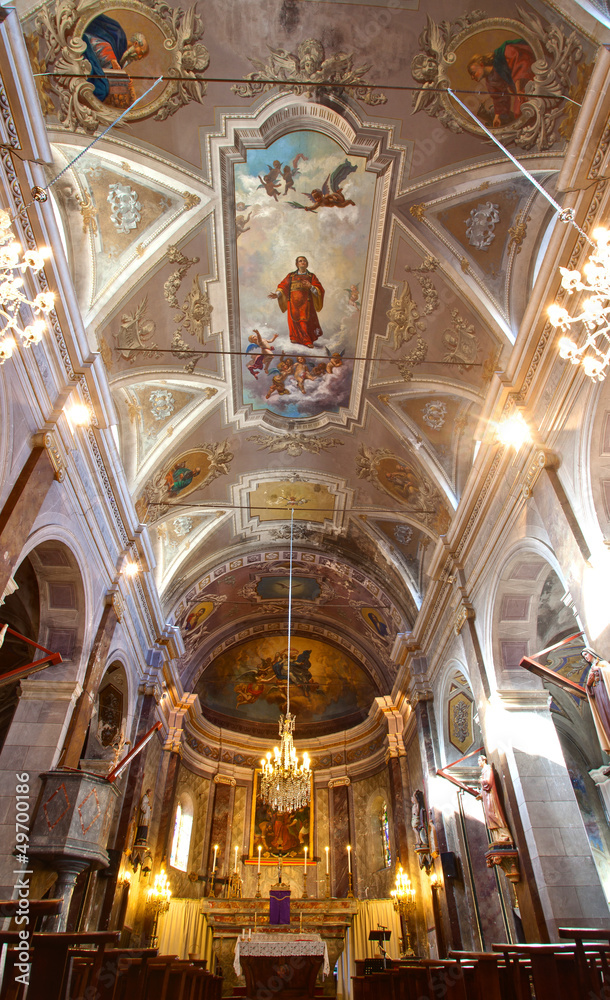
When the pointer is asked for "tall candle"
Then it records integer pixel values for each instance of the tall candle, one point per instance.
(349, 858)
(260, 847)
(327, 868)
(305, 863)
(214, 862)
(235, 868)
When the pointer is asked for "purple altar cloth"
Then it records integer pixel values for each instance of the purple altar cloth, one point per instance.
(279, 906)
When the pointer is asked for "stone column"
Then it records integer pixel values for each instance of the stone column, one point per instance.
(399, 780)
(25, 500)
(340, 835)
(534, 772)
(73, 745)
(37, 729)
(222, 796)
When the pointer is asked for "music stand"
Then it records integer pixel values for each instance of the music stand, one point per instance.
(380, 937)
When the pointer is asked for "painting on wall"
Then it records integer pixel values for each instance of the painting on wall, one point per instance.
(306, 210)
(184, 474)
(282, 835)
(375, 621)
(248, 681)
(507, 63)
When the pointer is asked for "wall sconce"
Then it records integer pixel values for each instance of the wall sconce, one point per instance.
(435, 882)
(124, 879)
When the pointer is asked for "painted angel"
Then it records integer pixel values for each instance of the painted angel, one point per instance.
(331, 194)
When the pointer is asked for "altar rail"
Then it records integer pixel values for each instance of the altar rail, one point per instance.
(562, 971)
(77, 966)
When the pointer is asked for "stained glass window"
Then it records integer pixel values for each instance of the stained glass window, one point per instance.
(384, 825)
(181, 841)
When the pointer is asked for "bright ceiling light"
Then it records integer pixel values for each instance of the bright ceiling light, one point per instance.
(131, 568)
(513, 431)
(79, 415)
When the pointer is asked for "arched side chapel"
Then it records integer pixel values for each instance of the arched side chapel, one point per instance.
(150, 543)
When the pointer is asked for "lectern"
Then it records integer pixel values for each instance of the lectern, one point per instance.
(380, 936)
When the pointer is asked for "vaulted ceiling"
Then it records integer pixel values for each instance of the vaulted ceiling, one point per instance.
(179, 227)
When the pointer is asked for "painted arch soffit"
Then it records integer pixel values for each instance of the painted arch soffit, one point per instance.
(300, 179)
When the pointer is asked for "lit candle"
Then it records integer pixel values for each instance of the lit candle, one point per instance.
(327, 868)
(349, 858)
(214, 862)
(260, 847)
(305, 863)
(235, 868)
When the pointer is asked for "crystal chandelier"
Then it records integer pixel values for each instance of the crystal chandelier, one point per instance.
(14, 262)
(284, 783)
(594, 353)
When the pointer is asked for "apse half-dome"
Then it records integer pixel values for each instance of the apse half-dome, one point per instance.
(244, 688)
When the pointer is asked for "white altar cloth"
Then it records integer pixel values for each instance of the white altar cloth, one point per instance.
(281, 945)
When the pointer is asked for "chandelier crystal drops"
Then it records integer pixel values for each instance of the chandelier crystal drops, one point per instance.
(285, 784)
(594, 353)
(14, 262)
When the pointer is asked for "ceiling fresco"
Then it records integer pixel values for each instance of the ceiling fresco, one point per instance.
(301, 291)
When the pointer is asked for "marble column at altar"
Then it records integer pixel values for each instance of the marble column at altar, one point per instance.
(21, 508)
(149, 696)
(423, 706)
(399, 782)
(228, 917)
(340, 835)
(96, 665)
(222, 794)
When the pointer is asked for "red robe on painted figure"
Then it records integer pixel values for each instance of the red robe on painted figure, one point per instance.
(300, 302)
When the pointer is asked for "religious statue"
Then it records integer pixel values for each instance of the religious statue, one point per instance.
(495, 819)
(143, 818)
(598, 695)
(419, 819)
(301, 296)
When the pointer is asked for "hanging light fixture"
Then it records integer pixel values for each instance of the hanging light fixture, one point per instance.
(594, 353)
(14, 262)
(284, 783)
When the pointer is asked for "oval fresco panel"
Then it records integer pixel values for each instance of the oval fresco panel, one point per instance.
(249, 682)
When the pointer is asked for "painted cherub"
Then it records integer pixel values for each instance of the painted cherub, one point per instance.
(277, 385)
(260, 360)
(301, 373)
(334, 361)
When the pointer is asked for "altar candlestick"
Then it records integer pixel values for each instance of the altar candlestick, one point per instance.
(260, 847)
(349, 858)
(235, 868)
(305, 863)
(214, 862)
(327, 868)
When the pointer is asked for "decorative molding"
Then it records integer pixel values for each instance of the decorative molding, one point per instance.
(224, 779)
(506, 858)
(465, 613)
(338, 782)
(48, 441)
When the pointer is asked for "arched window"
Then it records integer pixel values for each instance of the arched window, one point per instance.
(384, 826)
(181, 840)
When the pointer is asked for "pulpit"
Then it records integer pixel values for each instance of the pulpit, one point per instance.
(327, 918)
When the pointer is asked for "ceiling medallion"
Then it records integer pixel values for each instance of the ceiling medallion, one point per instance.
(284, 783)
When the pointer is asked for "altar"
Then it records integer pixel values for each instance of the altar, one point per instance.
(285, 964)
(324, 919)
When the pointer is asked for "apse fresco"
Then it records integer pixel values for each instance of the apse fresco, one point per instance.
(301, 197)
(249, 681)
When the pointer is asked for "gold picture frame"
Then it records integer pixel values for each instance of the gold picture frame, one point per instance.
(280, 834)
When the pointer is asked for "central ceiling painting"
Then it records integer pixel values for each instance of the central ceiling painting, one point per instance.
(249, 682)
(304, 212)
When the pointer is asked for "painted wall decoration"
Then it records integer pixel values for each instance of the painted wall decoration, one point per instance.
(183, 475)
(117, 37)
(192, 620)
(375, 621)
(300, 266)
(306, 69)
(249, 681)
(406, 484)
(509, 62)
(312, 501)
(284, 835)
(460, 720)
(273, 587)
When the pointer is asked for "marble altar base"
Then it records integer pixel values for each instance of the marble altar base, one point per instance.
(329, 918)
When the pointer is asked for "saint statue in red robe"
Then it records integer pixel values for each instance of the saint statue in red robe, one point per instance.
(301, 296)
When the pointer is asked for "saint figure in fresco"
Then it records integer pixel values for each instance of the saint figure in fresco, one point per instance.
(179, 478)
(598, 695)
(301, 296)
(109, 52)
(505, 72)
(380, 627)
(497, 824)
